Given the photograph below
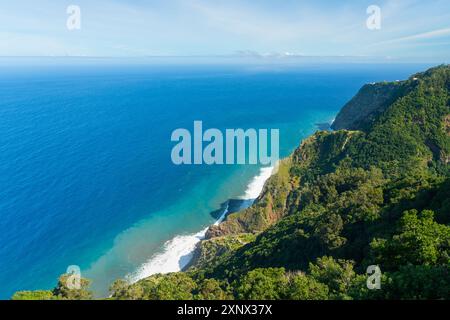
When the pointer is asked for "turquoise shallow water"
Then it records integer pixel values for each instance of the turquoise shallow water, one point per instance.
(85, 172)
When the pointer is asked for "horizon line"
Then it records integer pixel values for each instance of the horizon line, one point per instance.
(255, 56)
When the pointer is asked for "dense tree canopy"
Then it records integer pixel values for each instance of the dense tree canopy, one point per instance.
(375, 195)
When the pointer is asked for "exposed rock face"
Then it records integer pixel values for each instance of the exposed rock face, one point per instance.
(371, 100)
(341, 194)
(267, 209)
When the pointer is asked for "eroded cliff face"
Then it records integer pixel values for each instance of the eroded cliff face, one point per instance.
(279, 194)
(374, 195)
(371, 100)
(267, 209)
(368, 194)
(387, 130)
(279, 198)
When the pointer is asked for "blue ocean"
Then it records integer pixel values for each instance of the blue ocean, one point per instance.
(86, 176)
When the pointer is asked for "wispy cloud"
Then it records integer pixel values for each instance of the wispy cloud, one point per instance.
(218, 27)
(419, 36)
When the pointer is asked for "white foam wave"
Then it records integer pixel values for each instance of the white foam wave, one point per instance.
(257, 184)
(332, 121)
(178, 252)
(176, 255)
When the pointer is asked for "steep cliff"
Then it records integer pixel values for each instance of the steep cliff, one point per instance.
(267, 209)
(375, 192)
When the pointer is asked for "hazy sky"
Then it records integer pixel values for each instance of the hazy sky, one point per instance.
(409, 28)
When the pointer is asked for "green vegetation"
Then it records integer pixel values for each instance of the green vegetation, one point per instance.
(269, 208)
(33, 295)
(62, 291)
(210, 250)
(376, 192)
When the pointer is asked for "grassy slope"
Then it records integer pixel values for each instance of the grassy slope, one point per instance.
(375, 192)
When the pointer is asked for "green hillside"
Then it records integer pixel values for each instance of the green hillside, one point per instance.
(374, 192)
